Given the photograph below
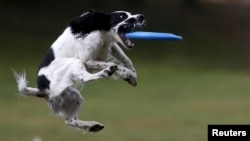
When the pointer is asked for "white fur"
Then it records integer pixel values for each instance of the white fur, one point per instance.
(93, 51)
(62, 98)
(22, 85)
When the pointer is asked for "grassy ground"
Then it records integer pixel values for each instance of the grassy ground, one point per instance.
(168, 104)
(173, 101)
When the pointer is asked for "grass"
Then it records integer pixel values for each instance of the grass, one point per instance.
(167, 104)
(174, 100)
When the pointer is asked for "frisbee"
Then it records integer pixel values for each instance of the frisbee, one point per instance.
(153, 36)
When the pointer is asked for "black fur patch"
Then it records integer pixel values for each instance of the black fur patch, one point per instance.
(89, 22)
(48, 58)
(42, 82)
(96, 20)
(117, 17)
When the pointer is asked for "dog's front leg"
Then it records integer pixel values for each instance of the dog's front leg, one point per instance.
(125, 73)
(117, 53)
(100, 65)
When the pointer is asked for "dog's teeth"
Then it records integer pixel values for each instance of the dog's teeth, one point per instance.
(129, 43)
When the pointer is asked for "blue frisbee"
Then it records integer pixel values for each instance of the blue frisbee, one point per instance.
(153, 36)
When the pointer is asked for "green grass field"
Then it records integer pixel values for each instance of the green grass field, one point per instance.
(168, 104)
(199, 81)
(173, 101)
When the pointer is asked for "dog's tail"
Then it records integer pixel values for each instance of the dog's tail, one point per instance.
(24, 89)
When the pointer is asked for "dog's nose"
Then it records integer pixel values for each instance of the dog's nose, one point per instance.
(140, 17)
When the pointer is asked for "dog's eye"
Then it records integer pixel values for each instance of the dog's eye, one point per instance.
(122, 16)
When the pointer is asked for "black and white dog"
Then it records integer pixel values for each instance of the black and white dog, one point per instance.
(81, 54)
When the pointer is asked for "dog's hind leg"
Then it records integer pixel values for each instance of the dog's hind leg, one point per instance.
(86, 126)
(68, 104)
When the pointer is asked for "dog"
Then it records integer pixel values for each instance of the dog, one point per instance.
(81, 54)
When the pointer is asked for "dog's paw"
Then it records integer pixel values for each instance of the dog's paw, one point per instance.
(110, 71)
(113, 69)
(95, 128)
(131, 81)
(128, 75)
(85, 126)
(92, 127)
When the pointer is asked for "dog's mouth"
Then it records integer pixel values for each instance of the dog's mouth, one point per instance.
(128, 27)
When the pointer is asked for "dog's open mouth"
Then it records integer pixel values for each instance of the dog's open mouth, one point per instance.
(126, 28)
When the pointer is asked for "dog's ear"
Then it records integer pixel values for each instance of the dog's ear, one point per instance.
(79, 24)
(90, 21)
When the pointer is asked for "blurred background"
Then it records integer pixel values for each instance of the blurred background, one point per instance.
(182, 86)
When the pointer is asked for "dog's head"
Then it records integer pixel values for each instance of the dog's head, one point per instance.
(118, 23)
(123, 22)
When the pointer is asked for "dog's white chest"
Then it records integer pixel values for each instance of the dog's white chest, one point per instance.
(95, 46)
